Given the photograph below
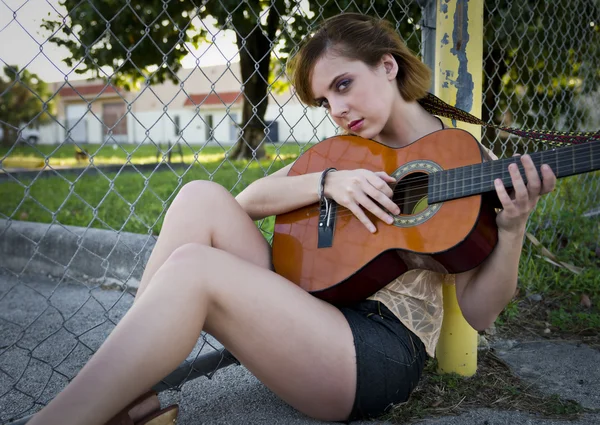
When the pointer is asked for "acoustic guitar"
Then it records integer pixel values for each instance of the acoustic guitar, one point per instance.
(445, 190)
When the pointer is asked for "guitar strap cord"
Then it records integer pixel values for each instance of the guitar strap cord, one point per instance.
(436, 106)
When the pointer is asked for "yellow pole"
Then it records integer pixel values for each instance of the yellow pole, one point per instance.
(458, 81)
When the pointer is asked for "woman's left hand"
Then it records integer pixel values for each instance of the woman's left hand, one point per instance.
(518, 206)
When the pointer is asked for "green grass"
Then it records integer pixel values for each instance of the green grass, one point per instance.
(575, 240)
(128, 201)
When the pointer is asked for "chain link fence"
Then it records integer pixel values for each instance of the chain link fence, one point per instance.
(541, 62)
(98, 159)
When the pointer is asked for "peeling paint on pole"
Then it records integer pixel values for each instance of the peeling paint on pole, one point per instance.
(460, 39)
(459, 56)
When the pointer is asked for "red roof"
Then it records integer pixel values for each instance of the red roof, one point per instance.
(86, 90)
(222, 98)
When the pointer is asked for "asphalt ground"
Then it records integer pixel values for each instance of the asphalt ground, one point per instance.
(49, 330)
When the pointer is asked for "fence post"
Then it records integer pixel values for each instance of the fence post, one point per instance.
(458, 81)
(428, 40)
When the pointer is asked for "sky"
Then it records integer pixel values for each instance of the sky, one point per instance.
(24, 43)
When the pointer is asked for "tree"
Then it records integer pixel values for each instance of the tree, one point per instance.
(539, 59)
(126, 40)
(24, 98)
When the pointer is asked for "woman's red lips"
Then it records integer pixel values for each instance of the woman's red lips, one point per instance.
(355, 125)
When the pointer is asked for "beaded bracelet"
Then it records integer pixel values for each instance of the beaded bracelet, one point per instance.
(321, 188)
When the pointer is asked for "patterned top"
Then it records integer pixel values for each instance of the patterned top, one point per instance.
(416, 299)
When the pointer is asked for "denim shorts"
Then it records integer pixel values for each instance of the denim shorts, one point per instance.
(389, 359)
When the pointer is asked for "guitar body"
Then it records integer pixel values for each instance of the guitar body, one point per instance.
(449, 237)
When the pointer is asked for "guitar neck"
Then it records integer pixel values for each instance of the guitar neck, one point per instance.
(478, 179)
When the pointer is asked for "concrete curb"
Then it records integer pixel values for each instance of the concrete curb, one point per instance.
(93, 256)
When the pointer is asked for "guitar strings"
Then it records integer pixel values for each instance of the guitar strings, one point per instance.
(420, 197)
(482, 176)
(410, 183)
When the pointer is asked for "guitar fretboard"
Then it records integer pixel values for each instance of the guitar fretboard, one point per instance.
(479, 178)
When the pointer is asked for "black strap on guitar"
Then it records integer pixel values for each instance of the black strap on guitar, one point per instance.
(436, 106)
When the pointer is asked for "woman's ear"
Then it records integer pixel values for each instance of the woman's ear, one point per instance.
(390, 65)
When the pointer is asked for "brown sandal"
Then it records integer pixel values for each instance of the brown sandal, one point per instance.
(166, 416)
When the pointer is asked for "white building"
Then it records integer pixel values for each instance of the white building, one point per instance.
(205, 107)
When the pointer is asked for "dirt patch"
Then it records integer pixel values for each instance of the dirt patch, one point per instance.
(494, 386)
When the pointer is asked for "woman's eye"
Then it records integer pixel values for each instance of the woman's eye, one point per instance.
(342, 85)
(324, 104)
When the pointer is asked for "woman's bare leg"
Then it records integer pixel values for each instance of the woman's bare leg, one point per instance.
(198, 209)
(297, 345)
(300, 347)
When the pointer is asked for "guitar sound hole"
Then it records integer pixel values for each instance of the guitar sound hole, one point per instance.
(410, 193)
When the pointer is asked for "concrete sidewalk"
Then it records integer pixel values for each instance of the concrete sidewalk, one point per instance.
(232, 395)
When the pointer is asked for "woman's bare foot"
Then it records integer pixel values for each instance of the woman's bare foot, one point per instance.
(138, 412)
(145, 408)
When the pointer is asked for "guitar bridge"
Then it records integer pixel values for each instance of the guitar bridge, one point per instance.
(327, 215)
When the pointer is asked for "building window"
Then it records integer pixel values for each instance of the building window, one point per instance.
(208, 128)
(113, 116)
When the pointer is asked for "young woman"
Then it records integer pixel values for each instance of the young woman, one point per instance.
(211, 268)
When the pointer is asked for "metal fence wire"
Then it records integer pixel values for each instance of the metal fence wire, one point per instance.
(151, 87)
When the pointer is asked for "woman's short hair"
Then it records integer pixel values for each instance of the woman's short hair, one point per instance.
(359, 37)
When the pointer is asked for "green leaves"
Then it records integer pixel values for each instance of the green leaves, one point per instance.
(541, 56)
(25, 99)
(130, 42)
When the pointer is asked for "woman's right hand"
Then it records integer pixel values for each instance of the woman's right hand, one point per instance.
(354, 189)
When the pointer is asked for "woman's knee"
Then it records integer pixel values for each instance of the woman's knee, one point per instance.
(200, 267)
(182, 266)
(197, 195)
(202, 189)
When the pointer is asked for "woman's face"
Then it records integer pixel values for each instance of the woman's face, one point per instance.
(358, 98)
